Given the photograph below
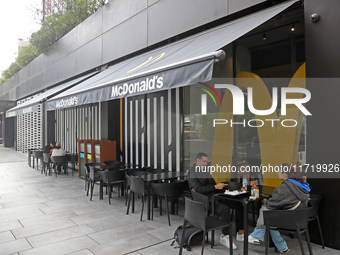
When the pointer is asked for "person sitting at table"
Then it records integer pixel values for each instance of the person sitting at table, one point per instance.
(202, 182)
(291, 194)
(50, 147)
(58, 151)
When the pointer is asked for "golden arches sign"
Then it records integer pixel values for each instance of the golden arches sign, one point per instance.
(148, 62)
(277, 144)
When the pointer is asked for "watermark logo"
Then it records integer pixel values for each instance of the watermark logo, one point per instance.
(238, 100)
(204, 97)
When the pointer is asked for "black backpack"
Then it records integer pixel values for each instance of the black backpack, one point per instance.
(192, 236)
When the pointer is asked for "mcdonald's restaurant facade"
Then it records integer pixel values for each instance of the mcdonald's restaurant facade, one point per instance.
(251, 83)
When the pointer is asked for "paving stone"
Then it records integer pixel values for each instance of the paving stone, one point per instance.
(59, 235)
(14, 246)
(43, 228)
(52, 215)
(6, 237)
(61, 248)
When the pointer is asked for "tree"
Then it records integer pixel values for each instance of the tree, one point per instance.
(67, 15)
(26, 55)
(62, 17)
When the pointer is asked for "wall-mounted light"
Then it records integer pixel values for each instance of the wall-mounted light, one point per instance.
(264, 36)
(292, 28)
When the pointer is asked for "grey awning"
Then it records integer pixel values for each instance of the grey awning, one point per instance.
(32, 105)
(6, 104)
(178, 64)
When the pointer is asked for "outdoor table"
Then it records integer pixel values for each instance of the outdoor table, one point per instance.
(108, 167)
(244, 201)
(120, 165)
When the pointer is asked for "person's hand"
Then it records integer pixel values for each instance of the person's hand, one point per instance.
(220, 185)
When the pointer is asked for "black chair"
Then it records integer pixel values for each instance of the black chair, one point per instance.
(111, 178)
(46, 163)
(73, 158)
(196, 196)
(132, 172)
(196, 213)
(187, 190)
(112, 162)
(91, 179)
(59, 161)
(38, 154)
(233, 186)
(137, 188)
(315, 199)
(168, 191)
(288, 221)
(156, 171)
(30, 156)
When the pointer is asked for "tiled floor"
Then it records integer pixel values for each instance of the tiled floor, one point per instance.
(51, 215)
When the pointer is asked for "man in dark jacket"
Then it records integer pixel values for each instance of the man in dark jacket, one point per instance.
(50, 147)
(201, 181)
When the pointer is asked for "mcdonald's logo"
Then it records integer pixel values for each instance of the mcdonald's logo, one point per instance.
(148, 62)
(278, 144)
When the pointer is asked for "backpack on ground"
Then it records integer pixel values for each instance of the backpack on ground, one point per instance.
(192, 236)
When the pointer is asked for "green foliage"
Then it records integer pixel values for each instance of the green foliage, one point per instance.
(2, 81)
(53, 28)
(59, 24)
(26, 55)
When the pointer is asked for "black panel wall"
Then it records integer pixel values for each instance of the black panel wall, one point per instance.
(323, 138)
(50, 129)
(114, 124)
(153, 130)
(9, 129)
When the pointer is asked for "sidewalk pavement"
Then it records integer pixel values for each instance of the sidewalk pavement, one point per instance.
(50, 215)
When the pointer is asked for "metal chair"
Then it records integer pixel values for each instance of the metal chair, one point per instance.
(168, 191)
(73, 158)
(289, 221)
(235, 186)
(315, 199)
(46, 163)
(196, 196)
(196, 213)
(38, 154)
(111, 178)
(59, 161)
(91, 179)
(128, 174)
(137, 188)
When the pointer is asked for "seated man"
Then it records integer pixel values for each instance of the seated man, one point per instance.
(49, 147)
(202, 182)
